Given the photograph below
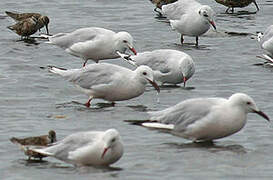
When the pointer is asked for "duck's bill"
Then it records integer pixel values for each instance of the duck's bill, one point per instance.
(154, 85)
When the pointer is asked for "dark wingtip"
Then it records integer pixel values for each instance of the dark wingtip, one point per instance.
(138, 122)
(50, 67)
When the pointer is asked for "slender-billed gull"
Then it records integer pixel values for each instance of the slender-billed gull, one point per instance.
(205, 119)
(169, 66)
(108, 81)
(36, 141)
(189, 18)
(159, 3)
(87, 148)
(266, 42)
(41, 20)
(26, 27)
(236, 3)
(94, 43)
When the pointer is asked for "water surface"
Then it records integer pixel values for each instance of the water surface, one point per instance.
(32, 101)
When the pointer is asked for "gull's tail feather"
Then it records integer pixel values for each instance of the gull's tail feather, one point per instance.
(46, 36)
(151, 124)
(56, 70)
(259, 36)
(130, 61)
(127, 58)
(157, 125)
(266, 57)
(43, 152)
(138, 122)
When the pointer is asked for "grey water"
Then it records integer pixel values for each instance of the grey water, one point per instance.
(33, 101)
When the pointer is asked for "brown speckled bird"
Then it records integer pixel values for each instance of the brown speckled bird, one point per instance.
(26, 144)
(42, 20)
(236, 3)
(26, 27)
(160, 3)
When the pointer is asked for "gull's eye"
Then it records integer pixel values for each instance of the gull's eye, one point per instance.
(125, 41)
(113, 140)
(248, 103)
(206, 15)
(144, 73)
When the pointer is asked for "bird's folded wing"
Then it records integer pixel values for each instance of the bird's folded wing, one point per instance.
(93, 76)
(186, 112)
(155, 60)
(177, 9)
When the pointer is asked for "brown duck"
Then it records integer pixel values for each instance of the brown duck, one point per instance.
(159, 3)
(236, 3)
(26, 144)
(26, 27)
(42, 20)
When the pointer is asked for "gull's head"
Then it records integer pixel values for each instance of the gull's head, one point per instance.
(52, 136)
(124, 41)
(187, 68)
(110, 138)
(247, 103)
(259, 36)
(207, 14)
(146, 74)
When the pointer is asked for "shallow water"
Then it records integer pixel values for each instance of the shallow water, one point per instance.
(34, 101)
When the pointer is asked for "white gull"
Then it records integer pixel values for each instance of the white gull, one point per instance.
(98, 148)
(108, 81)
(169, 66)
(94, 43)
(189, 18)
(204, 119)
(266, 42)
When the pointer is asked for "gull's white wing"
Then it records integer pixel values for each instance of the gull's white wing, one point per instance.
(175, 10)
(71, 143)
(79, 36)
(186, 112)
(93, 76)
(156, 60)
(267, 39)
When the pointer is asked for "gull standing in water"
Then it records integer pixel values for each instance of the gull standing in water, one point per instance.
(108, 81)
(204, 119)
(94, 43)
(189, 18)
(97, 148)
(266, 42)
(169, 66)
